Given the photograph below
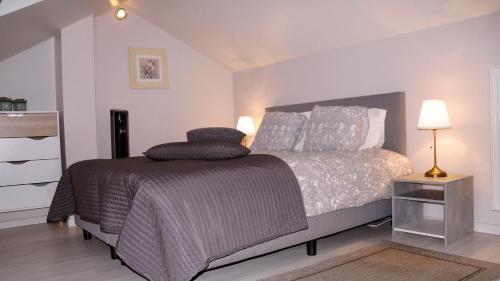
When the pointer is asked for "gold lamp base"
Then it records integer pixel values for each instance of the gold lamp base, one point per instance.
(435, 172)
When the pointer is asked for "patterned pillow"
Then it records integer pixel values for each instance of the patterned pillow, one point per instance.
(202, 150)
(215, 134)
(336, 128)
(278, 131)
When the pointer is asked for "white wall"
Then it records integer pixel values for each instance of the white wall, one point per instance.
(31, 75)
(450, 62)
(78, 90)
(200, 92)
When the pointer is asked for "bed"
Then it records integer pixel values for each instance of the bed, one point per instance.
(323, 224)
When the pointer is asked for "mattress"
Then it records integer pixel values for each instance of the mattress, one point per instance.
(335, 180)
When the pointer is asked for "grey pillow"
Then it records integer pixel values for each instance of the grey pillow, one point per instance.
(278, 131)
(215, 134)
(207, 150)
(336, 128)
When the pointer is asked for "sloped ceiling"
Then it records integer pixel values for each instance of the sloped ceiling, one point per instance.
(9, 6)
(29, 22)
(242, 34)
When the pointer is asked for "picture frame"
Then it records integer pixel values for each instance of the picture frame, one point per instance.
(148, 68)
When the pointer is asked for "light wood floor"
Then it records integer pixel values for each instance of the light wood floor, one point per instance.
(52, 252)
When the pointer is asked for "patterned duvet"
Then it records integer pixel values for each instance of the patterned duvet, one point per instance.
(331, 181)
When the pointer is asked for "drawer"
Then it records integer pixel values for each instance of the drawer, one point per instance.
(14, 173)
(17, 125)
(20, 149)
(22, 197)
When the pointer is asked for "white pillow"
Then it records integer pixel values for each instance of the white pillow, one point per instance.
(376, 132)
(299, 144)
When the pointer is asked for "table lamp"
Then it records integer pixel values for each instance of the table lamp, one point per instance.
(246, 125)
(434, 116)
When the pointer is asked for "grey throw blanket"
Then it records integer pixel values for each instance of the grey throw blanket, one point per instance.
(180, 215)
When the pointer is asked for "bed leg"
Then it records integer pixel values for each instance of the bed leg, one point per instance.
(86, 235)
(122, 262)
(113, 253)
(311, 247)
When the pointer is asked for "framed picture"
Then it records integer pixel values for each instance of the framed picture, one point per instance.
(148, 68)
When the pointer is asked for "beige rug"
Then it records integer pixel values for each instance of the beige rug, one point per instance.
(395, 262)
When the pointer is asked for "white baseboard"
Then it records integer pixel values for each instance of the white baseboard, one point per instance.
(28, 217)
(22, 222)
(478, 227)
(487, 228)
(71, 221)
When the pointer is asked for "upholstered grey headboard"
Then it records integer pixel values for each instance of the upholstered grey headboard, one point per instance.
(395, 121)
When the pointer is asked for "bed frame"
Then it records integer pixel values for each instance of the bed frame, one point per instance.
(321, 225)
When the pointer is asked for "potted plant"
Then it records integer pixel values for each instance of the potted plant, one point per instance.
(19, 104)
(5, 104)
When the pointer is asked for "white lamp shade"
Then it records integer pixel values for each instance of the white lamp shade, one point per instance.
(245, 124)
(434, 115)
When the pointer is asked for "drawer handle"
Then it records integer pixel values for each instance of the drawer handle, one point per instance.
(17, 162)
(37, 138)
(41, 184)
(15, 114)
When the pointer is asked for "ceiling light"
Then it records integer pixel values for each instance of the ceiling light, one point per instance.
(121, 13)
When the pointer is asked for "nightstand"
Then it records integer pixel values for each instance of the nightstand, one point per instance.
(454, 193)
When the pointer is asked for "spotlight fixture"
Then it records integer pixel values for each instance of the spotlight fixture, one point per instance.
(121, 14)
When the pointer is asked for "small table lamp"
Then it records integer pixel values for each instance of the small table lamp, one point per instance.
(245, 124)
(434, 116)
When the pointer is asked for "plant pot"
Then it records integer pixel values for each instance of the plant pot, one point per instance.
(19, 106)
(5, 106)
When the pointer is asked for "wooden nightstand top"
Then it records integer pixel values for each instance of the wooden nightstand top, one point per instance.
(422, 179)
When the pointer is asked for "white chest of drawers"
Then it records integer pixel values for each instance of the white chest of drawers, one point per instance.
(30, 166)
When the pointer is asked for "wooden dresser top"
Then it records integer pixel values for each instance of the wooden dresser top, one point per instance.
(17, 124)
